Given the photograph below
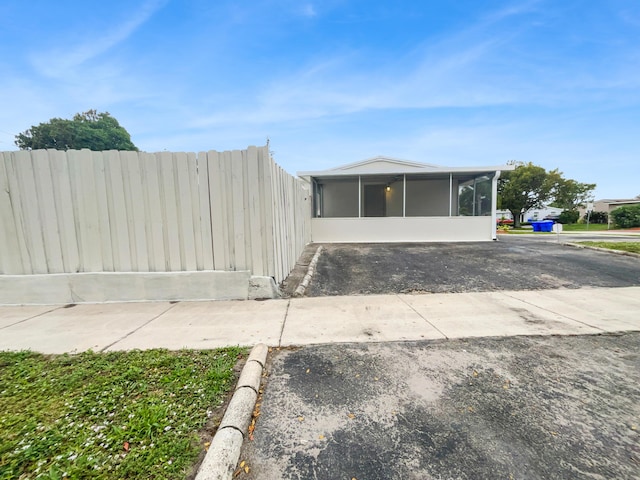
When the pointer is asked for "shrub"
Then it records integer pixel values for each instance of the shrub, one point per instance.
(569, 216)
(627, 216)
(598, 217)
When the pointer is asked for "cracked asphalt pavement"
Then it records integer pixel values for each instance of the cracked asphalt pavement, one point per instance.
(512, 408)
(488, 408)
(513, 263)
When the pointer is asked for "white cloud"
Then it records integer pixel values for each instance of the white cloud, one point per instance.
(58, 62)
(308, 10)
(449, 71)
(331, 87)
(469, 68)
(517, 8)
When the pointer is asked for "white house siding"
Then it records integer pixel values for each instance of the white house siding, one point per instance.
(398, 229)
(422, 202)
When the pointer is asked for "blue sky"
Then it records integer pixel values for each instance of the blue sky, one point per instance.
(455, 83)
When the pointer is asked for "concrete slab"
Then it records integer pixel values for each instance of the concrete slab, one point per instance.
(79, 328)
(608, 309)
(50, 289)
(17, 314)
(303, 321)
(491, 314)
(372, 318)
(96, 287)
(211, 325)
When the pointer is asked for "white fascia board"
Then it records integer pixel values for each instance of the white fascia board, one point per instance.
(434, 171)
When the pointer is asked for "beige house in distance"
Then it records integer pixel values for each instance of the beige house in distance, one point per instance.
(384, 199)
(608, 205)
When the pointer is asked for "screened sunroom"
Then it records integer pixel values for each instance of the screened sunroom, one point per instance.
(388, 200)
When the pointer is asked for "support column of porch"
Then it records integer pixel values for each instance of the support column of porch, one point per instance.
(450, 193)
(359, 196)
(494, 205)
(404, 195)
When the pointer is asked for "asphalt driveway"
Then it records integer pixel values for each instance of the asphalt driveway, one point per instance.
(528, 407)
(513, 263)
(509, 408)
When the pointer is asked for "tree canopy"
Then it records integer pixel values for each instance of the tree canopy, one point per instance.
(571, 195)
(93, 130)
(531, 186)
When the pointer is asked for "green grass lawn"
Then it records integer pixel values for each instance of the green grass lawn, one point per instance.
(633, 247)
(575, 227)
(582, 227)
(109, 415)
(526, 231)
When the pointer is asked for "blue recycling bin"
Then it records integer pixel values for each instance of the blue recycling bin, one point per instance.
(542, 226)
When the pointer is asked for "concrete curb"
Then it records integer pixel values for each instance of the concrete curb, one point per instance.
(599, 249)
(224, 452)
(310, 271)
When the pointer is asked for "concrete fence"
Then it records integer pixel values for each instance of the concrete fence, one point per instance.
(69, 218)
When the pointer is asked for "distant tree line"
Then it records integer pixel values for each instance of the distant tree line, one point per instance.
(91, 129)
(531, 186)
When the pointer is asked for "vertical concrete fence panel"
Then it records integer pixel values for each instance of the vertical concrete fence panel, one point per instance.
(81, 211)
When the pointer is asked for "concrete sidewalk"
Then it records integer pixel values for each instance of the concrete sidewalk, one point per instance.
(303, 321)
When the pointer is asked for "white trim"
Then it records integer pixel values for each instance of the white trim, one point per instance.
(450, 193)
(399, 229)
(404, 167)
(359, 197)
(473, 204)
(404, 196)
(494, 204)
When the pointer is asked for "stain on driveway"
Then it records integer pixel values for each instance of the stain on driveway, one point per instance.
(514, 263)
(509, 408)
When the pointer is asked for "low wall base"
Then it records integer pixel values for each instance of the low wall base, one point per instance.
(261, 288)
(105, 287)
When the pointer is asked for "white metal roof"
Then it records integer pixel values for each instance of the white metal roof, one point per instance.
(381, 165)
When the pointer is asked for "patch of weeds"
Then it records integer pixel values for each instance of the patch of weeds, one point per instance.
(109, 415)
(633, 247)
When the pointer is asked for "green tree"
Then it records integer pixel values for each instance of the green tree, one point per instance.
(531, 186)
(91, 129)
(571, 195)
(528, 186)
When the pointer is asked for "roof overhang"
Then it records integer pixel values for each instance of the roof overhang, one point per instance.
(392, 166)
(625, 202)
